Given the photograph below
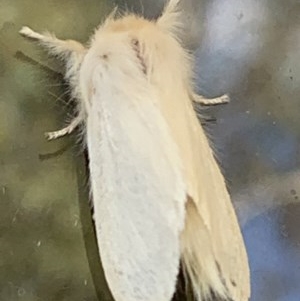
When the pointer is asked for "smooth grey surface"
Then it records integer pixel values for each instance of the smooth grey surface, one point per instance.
(247, 48)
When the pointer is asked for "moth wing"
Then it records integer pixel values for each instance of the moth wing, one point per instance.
(138, 193)
(213, 249)
(212, 240)
(215, 207)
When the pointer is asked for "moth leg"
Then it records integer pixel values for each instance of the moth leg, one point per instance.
(210, 101)
(66, 130)
(70, 50)
(54, 45)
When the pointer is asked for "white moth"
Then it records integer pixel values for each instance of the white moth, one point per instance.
(159, 196)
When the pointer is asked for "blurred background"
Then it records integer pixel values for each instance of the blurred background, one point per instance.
(246, 48)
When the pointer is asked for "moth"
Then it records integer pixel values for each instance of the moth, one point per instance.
(159, 197)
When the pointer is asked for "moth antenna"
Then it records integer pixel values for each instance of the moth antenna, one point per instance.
(109, 18)
(113, 13)
(170, 18)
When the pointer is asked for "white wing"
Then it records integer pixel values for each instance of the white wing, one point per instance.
(137, 187)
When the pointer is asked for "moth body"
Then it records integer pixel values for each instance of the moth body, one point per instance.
(159, 196)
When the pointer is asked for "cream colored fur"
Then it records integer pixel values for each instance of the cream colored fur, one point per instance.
(135, 81)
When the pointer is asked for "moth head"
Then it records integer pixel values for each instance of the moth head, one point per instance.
(154, 43)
